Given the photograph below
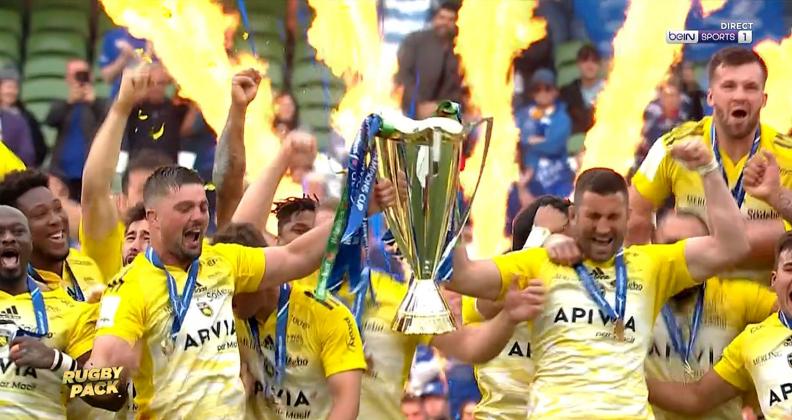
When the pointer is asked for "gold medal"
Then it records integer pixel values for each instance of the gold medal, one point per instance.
(618, 329)
(167, 346)
(688, 370)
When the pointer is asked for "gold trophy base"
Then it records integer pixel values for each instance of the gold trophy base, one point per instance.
(423, 311)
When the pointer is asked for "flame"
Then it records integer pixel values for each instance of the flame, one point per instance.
(346, 38)
(709, 7)
(486, 57)
(778, 58)
(188, 37)
(640, 61)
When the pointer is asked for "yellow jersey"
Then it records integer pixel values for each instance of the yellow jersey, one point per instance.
(729, 306)
(26, 392)
(581, 370)
(9, 162)
(77, 267)
(504, 382)
(105, 251)
(321, 341)
(761, 358)
(661, 176)
(389, 354)
(198, 375)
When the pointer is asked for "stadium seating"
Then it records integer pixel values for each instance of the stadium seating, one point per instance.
(45, 66)
(9, 47)
(60, 20)
(11, 22)
(45, 89)
(67, 44)
(566, 53)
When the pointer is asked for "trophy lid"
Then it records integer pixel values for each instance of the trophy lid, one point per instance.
(394, 123)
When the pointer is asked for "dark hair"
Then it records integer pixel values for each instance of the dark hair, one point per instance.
(410, 398)
(146, 159)
(166, 179)
(240, 233)
(284, 210)
(17, 183)
(685, 214)
(602, 181)
(784, 244)
(588, 51)
(451, 6)
(523, 222)
(134, 214)
(735, 56)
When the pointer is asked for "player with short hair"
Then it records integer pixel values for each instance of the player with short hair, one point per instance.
(590, 340)
(759, 358)
(43, 331)
(698, 323)
(734, 133)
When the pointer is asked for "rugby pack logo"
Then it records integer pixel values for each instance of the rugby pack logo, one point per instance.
(88, 382)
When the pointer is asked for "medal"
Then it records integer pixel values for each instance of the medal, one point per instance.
(618, 329)
(684, 350)
(738, 192)
(179, 304)
(281, 321)
(596, 294)
(167, 346)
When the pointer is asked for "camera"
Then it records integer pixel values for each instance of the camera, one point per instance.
(83, 77)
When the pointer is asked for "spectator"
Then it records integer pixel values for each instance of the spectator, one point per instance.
(77, 119)
(399, 19)
(199, 140)
(412, 408)
(15, 133)
(581, 94)
(692, 89)
(467, 410)
(9, 100)
(428, 68)
(287, 115)
(156, 122)
(661, 115)
(118, 53)
(435, 401)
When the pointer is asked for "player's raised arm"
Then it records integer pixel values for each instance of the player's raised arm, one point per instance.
(228, 173)
(727, 243)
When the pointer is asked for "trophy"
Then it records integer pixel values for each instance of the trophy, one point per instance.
(422, 158)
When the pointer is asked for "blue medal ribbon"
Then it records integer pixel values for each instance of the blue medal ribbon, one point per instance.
(598, 296)
(39, 309)
(675, 333)
(738, 192)
(281, 321)
(784, 320)
(76, 293)
(180, 304)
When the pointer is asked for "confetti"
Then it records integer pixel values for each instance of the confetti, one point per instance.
(141, 115)
(156, 135)
(209, 187)
(245, 36)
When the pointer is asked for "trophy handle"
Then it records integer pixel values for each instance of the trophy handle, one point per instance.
(463, 220)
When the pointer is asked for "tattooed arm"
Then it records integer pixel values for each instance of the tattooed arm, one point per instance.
(228, 173)
(762, 179)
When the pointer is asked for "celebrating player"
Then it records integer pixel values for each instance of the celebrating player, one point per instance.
(697, 324)
(758, 358)
(589, 352)
(43, 332)
(737, 80)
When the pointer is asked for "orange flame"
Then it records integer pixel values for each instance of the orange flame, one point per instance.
(188, 37)
(640, 61)
(490, 36)
(711, 6)
(346, 37)
(778, 58)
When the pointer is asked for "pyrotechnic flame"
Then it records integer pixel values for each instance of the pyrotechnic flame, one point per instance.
(188, 36)
(490, 36)
(778, 57)
(711, 6)
(641, 59)
(346, 37)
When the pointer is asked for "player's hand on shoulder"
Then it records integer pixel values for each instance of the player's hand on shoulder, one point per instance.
(563, 250)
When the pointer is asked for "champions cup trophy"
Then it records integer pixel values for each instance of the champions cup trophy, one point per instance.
(422, 159)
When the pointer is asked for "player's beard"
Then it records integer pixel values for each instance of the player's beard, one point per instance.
(736, 130)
